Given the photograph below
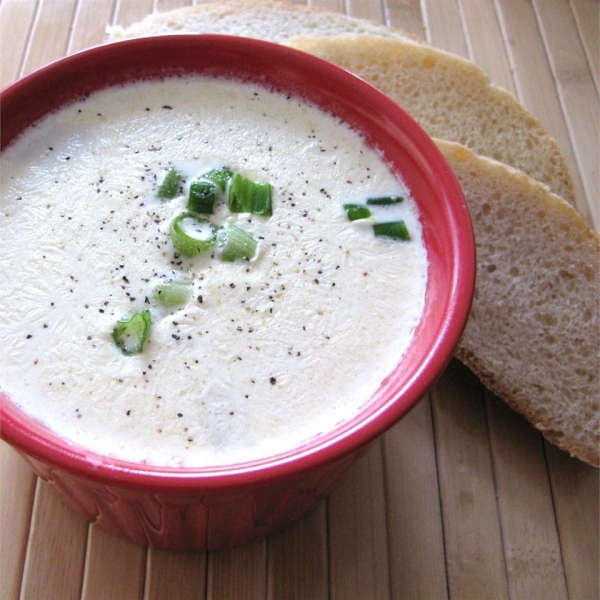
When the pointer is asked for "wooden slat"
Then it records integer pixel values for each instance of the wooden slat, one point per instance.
(334, 5)
(531, 544)
(535, 83)
(56, 550)
(487, 51)
(176, 575)
(358, 551)
(406, 15)
(443, 26)
(417, 567)
(297, 559)
(50, 34)
(577, 91)
(587, 17)
(89, 24)
(16, 20)
(373, 11)
(16, 504)
(131, 11)
(575, 488)
(239, 573)
(114, 568)
(472, 534)
(167, 5)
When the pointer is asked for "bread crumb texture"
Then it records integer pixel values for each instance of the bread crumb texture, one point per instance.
(452, 99)
(533, 332)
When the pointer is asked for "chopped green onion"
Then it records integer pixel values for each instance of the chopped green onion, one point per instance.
(202, 197)
(130, 335)
(384, 200)
(169, 188)
(246, 196)
(234, 242)
(172, 293)
(219, 176)
(394, 229)
(356, 211)
(191, 234)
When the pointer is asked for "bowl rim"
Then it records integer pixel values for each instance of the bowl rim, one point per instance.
(15, 427)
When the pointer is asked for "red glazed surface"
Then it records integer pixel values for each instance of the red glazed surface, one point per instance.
(196, 508)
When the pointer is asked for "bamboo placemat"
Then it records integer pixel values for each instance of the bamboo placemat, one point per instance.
(462, 499)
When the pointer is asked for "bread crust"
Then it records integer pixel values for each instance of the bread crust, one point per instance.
(272, 20)
(533, 332)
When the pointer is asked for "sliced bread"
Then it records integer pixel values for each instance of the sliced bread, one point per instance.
(533, 333)
(271, 20)
(452, 99)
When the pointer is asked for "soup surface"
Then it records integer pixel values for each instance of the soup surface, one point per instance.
(263, 353)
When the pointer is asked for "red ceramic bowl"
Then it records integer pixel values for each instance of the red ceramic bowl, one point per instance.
(208, 508)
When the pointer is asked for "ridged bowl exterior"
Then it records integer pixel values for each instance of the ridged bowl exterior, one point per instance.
(191, 521)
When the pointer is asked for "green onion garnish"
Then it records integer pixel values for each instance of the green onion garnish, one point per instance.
(203, 192)
(394, 229)
(356, 211)
(246, 196)
(234, 242)
(191, 234)
(384, 200)
(130, 335)
(169, 188)
(202, 197)
(219, 176)
(172, 293)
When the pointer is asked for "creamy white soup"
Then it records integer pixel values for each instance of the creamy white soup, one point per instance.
(263, 352)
